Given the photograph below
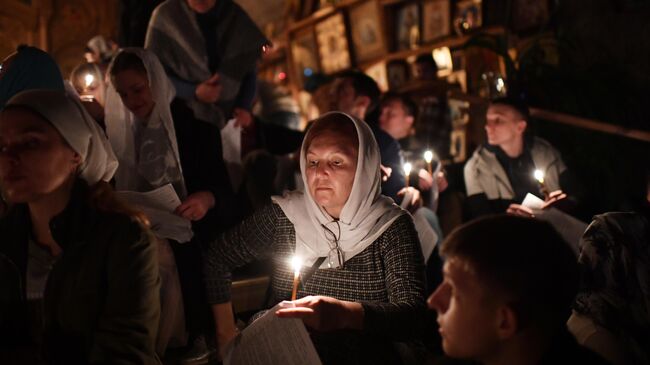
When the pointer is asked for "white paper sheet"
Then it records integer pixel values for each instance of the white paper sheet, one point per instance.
(231, 144)
(426, 234)
(570, 228)
(272, 341)
(159, 205)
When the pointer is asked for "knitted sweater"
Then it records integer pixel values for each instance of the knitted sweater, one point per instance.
(387, 278)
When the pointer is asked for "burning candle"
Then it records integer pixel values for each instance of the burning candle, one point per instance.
(539, 176)
(407, 172)
(89, 80)
(296, 263)
(428, 157)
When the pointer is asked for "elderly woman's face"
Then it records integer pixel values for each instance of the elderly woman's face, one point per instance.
(34, 159)
(331, 163)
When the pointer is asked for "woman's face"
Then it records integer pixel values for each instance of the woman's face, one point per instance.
(331, 163)
(34, 159)
(133, 87)
(201, 6)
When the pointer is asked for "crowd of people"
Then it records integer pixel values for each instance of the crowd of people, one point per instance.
(134, 191)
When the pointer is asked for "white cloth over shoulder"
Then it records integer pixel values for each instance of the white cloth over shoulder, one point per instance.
(77, 127)
(366, 215)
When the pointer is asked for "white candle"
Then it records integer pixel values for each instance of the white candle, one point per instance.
(428, 157)
(407, 171)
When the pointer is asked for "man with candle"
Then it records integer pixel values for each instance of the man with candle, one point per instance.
(501, 172)
(397, 117)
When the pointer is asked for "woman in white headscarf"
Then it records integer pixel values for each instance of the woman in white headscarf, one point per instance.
(363, 266)
(78, 274)
(155, 150)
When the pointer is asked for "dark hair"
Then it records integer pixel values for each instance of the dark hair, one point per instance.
(127, 61)
(428, 59)
(519, 105)
(410, 107)
(524, 260)
(363, 85)
(334, 122)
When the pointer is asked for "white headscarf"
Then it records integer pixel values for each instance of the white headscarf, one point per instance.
(121, 127)
(77, 127)
(364, 217)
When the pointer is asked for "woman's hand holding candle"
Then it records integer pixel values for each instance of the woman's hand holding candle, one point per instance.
(325, 313)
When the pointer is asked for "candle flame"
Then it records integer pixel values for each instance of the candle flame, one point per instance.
(407, 168)
(428, 156)
(539, 176)
(89, 80)
(296, 263)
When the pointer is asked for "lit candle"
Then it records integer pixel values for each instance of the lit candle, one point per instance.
(428, 157)
(539, 176)
(89, 80)
(407, 172)
(296, 263)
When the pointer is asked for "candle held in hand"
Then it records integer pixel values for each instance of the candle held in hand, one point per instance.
(428, 157)
(539, 176)
(296, 263)
(407, 172)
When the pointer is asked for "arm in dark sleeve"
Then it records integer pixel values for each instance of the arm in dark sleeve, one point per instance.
(479, 205)
(126, 328)
(247, 91)
(280, 140)
(403, 316)
(184, 89)
(391, 156)
(252, 240)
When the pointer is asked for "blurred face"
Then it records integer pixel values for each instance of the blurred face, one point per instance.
(133, 88)
(331, 165)
(34, 159)
(394, 120)
(201, 6)
(504, 125)
(467, 317)
(344, 96)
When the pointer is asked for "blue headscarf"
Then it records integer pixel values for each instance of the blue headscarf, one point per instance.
(31, 68)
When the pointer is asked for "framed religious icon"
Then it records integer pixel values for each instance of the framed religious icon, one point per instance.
(435, 20)
(332, 44)
(378, 73)
(469, 16)
(304, 54)
(407, 27)
(397, 73)
(367, 34)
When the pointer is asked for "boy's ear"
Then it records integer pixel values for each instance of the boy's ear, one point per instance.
(507, 322)
(362, 100)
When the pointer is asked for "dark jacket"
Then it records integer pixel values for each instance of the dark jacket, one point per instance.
(100, 303)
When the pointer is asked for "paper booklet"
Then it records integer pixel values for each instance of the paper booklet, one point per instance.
(569, 227)
(159, 205)
(272, 341)
(231, 144)
(426, 234)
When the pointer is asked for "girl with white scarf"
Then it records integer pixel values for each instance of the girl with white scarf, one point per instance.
(363, 268)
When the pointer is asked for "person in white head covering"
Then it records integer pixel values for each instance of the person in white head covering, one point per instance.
(154, 150)
(362, 264)
(79, 273)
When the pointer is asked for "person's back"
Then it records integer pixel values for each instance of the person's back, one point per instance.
(508, 287)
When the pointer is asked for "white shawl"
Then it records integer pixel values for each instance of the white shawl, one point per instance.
(366, 214)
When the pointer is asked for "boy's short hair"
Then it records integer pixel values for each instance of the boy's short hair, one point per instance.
(363, 85)
(517, 104)
(410, 107)
(524, 260)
